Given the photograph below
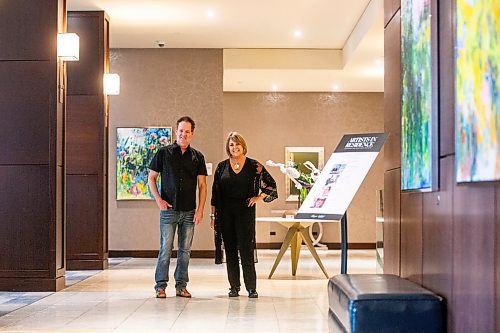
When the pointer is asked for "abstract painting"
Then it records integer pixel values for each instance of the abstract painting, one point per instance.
(135, 147)
(418, 95)
(477, 91)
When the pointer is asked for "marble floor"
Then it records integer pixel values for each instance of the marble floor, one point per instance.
(121, 299)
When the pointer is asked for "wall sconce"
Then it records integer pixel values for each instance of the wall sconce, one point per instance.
(68, 47)
(111, 84)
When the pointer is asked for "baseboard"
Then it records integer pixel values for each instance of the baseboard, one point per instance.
(352, 246)
(79, 264)
(211, 253)
(269, 246)
(154, 253)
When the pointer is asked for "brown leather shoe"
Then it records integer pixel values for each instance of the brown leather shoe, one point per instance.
(160, 293)
(182, 293)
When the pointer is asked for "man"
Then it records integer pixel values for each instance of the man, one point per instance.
(181, 168)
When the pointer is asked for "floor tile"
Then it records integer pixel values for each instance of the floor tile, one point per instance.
(121, 299)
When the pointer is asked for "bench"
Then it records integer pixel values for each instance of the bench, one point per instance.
(363, 303)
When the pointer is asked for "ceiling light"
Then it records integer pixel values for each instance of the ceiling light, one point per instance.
(275, 87)
(336, 87)
(210, 14)
(297, 33)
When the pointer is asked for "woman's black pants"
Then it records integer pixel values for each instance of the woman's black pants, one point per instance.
(238, 234)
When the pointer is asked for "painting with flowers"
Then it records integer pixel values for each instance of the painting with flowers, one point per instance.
(135, 147)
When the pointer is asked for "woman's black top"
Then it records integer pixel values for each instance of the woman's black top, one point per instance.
(237, 187)
(228, 186)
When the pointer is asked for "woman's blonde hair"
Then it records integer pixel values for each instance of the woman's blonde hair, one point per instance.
(238, 139)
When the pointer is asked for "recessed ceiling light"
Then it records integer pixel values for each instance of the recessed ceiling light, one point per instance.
(275, 87)
(335, 87)
(297, 33)
(210, 13)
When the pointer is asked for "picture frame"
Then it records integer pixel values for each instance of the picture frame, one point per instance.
(135, 148)
(477, 102)
(419, 96)
(297, 156)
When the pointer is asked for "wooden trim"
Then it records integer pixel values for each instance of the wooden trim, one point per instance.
(211, 253)
(269, 246)
(352, 246)
(154, 253)
(80, 264)
(32, 284)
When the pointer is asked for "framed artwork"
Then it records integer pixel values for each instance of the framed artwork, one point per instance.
(296, 156)
(419, 139)
(135, 147)
(477, 86)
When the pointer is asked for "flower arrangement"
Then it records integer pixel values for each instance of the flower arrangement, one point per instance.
(302, 181)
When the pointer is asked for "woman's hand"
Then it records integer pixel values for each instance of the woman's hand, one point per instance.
(254, 200)
(212, 219)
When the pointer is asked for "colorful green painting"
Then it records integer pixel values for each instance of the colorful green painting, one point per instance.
(477, 91)
(135, 147)
(418, 106)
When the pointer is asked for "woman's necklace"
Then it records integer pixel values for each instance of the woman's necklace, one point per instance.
(236, 165)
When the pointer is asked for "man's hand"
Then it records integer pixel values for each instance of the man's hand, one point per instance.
(162, 204)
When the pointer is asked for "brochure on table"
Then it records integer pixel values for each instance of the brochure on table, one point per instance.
(341, 177)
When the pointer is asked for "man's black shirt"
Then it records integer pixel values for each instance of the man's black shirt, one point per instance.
(179, 173)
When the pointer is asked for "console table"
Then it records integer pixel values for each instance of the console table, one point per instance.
(297, 231)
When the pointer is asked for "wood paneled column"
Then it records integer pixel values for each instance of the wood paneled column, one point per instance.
(31, 149)
(86, 144)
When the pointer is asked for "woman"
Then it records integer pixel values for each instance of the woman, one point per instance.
(239, 184)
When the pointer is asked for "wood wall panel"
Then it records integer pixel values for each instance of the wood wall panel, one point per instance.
(27, 96)
(85, 222)
(31, 163)
(460, 227)
(390, 8)
(28, 32)
(392, 94)
(438, 235)
(392, 221)
(84, 127)
(411, 236)
(86, 142)
(446, 78)
(86, 74)
(473, 259)
(497, 258)
(20, 237)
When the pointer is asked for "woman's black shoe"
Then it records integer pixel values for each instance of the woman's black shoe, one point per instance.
(233, 292)
(253, 294)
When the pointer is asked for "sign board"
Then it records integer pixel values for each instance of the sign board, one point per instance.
(341, 177)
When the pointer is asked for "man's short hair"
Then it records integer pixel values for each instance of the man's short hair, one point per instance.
(186, 119)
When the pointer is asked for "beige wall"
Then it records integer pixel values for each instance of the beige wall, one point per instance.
(160, 85)
(272, 121)
(157, 87)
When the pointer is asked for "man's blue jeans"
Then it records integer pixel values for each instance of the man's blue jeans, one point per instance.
(170, 220)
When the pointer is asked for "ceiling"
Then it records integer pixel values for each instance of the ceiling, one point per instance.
(280, 45)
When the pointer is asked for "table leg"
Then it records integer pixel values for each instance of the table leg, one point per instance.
(296, 245)
(286, 243)
(310, 246)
